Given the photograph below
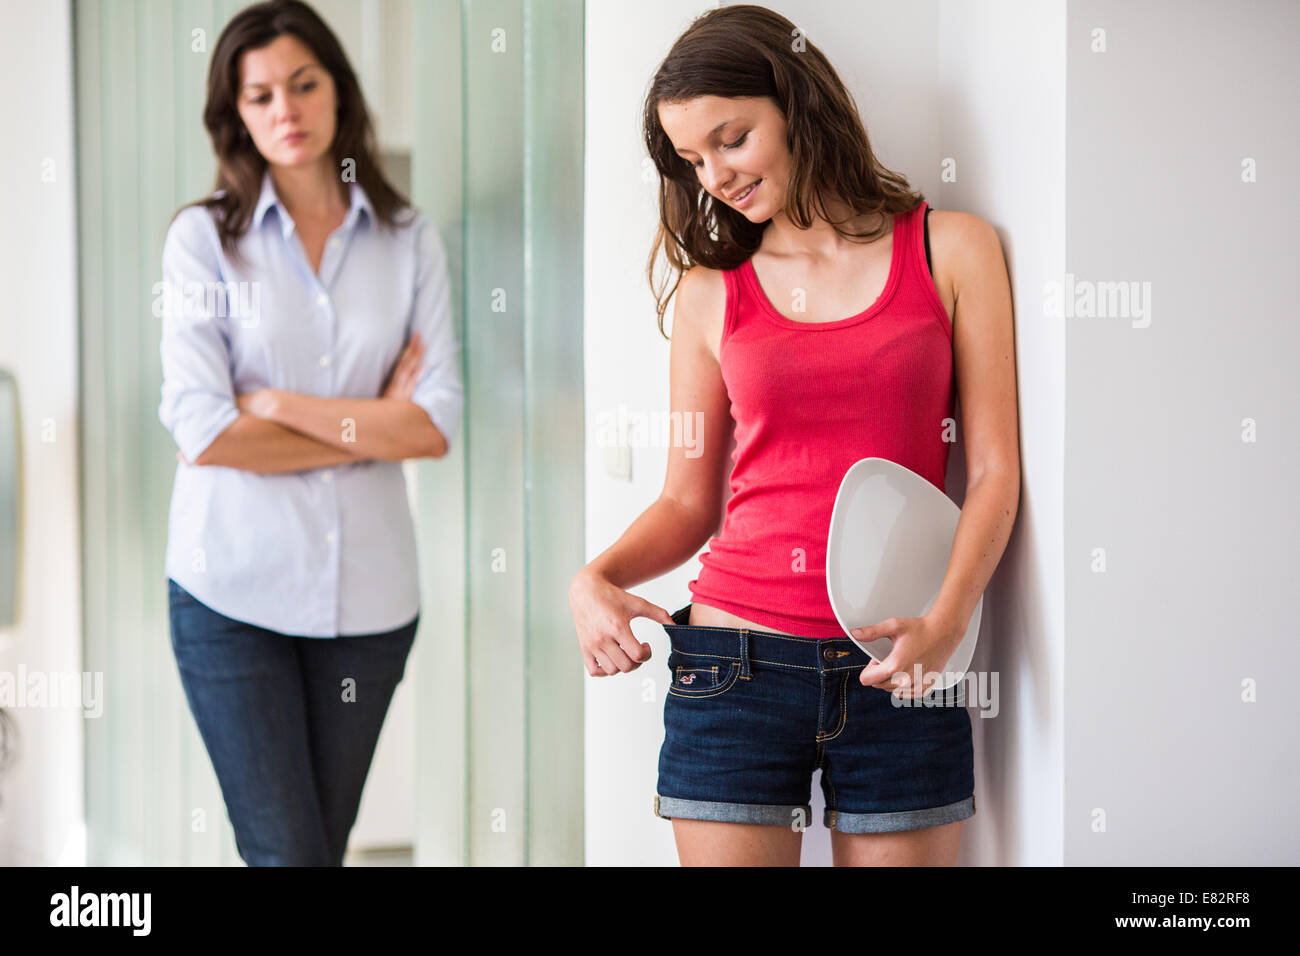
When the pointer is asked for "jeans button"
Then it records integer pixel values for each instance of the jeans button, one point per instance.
(829, 653)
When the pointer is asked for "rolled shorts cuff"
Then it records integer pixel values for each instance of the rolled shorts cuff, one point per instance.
(900, 820)
(781, 815)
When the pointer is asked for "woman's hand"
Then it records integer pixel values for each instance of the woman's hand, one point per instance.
(261, 403)
(922, 642)
(603, 614)
(401, 383)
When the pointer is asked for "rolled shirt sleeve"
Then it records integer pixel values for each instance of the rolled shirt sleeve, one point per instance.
(438, 391)
(198, 398)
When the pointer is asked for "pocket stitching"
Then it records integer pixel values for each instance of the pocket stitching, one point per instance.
(728, 682)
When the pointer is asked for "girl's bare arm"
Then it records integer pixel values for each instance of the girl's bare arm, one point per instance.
(984, 355)
(688, 509)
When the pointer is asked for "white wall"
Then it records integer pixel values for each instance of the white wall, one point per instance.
(41, 807)
(1197, 526)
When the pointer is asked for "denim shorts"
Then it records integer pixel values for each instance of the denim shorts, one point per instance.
(751, 714)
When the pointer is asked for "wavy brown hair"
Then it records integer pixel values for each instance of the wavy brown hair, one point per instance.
(751, 51)
(240, 167)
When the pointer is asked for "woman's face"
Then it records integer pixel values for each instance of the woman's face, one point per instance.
(287, 102)
(733, 143)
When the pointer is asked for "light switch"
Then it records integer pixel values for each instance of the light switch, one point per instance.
(618, 462)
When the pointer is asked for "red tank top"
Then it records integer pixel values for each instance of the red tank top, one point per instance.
(809, 399)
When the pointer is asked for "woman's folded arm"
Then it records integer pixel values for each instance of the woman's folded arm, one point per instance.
(255, 444)
(388, 429)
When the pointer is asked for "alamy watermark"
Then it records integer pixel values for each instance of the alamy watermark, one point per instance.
(128, 910)
(198, 301)
(628, 428)
(977, 688)
(1083, 298)
(53, 689)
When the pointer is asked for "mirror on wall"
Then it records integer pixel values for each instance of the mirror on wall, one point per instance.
(10, 494)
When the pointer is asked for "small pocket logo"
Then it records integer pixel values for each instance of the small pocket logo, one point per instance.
(686, 679)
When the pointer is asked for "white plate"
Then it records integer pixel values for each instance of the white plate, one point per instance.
(887, 554)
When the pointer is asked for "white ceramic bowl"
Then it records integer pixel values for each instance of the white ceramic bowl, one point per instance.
(887, 554)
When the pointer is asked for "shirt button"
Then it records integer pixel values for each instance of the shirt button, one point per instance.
(330, 537)
(322, 299)
(326, 476)
(324, 360)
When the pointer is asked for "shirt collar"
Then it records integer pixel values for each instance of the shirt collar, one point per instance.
(268, 198)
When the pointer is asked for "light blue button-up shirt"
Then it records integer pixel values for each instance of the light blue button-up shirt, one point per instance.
(324, 552)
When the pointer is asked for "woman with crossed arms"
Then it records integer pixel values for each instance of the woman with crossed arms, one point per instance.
(291, 558)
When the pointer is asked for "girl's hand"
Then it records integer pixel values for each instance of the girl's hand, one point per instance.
(261, 402)
(602, 614)
(922, 641)
(401, 383)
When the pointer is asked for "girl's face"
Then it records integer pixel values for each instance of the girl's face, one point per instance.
(287, 102)
(734, 143)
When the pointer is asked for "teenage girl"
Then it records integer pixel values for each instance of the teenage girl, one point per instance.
(823, 317)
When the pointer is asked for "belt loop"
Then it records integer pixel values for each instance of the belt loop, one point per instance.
(744, 654)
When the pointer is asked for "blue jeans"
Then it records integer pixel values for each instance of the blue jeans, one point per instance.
(290, 741)
(751, 714)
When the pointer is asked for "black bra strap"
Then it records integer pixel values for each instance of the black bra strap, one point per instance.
(928, 266)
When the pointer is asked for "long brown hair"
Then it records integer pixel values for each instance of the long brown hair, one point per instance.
(240, 167)
(751, 51)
